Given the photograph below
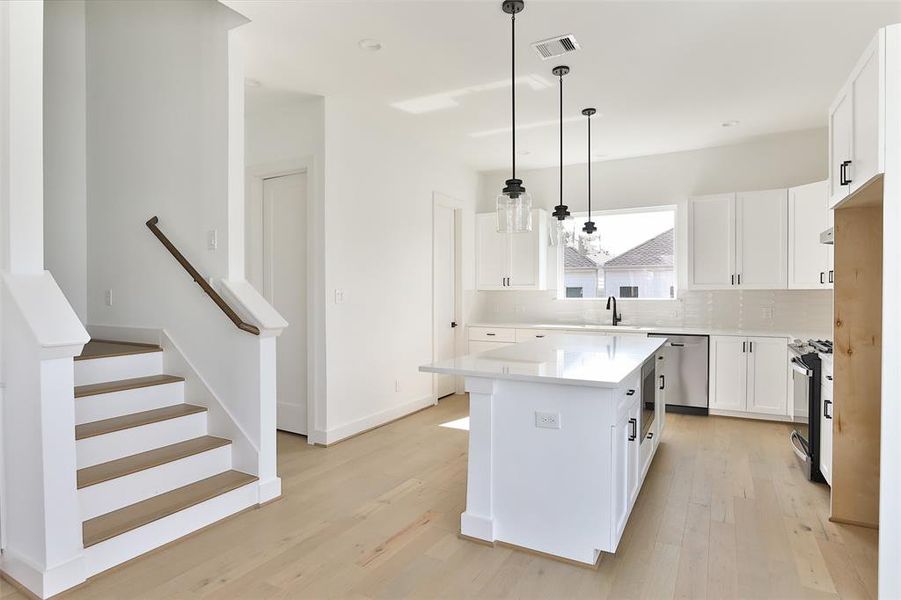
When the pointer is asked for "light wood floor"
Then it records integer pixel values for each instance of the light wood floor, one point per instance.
(724, 513)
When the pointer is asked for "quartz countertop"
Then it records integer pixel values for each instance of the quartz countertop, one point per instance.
(673, 329)
(595, 361)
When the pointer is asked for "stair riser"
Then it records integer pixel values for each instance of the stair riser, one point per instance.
(99, 370)
(118, 493)
(116, 404)
(121, 548)
(111, 446)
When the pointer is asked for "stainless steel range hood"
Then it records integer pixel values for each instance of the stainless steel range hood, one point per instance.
(827, 237)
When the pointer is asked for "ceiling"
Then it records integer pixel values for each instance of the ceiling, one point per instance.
(664, 76)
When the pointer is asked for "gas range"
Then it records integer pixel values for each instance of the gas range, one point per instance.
(800, 348)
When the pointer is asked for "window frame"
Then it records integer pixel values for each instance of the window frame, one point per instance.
(677, 255)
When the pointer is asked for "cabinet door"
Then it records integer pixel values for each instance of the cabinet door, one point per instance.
(621, 449)
(830, 252)
(491, 253)
(840, 118)
(662, 373)
(865, 157)
(634, 467)
(826, 412)
(528, 255)
(711, 251)
(762, 239)
(768, 375)
(808, 216)
(728, 373)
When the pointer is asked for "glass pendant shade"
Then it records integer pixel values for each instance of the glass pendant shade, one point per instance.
(514, 209)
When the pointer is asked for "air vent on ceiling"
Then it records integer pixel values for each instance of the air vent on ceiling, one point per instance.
(556, 46)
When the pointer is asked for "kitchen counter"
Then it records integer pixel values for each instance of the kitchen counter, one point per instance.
(674, 329)
(595, 361)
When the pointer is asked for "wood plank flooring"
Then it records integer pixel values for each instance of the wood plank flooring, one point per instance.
(724, 513)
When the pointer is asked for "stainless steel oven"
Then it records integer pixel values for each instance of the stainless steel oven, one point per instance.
(805, 366)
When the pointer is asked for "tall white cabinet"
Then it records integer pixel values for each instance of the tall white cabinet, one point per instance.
(857, 125)
(511, 261)
(749, 376)
(738, 241)
(809, 262)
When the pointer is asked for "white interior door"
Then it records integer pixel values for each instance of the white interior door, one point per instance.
(285, 287)
(445, 294)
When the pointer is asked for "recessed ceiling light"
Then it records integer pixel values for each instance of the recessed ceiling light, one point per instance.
(369, 44)
(729, 123)
(254, 83)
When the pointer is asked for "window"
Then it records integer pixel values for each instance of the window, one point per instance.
(631, 255)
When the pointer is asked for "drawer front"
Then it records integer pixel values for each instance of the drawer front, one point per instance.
(524, 335)
(492, 334)
(628, 395)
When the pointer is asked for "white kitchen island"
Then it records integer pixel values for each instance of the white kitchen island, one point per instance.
(562, 431)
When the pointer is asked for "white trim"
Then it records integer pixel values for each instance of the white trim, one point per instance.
(446, 201)
(748, 415)
(336, 434)
(40, 582)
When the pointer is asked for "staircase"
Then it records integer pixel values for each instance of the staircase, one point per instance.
(148, 471)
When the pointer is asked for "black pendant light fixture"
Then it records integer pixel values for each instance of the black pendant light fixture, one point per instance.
(589, 227)
(514, 204)
(561, 211)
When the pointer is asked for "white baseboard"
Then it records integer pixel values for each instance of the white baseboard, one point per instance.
(477, 526)
(43, 583)
(290, 416)
(380, 418)
(270, 489)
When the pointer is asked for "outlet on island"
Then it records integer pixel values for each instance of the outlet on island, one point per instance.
(547, 420)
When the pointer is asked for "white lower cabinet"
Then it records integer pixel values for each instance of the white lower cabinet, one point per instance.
(476, 347)
(749, 375)
(626, 463)
(827, 408)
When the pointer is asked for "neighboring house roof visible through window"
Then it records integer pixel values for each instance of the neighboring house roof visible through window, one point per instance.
(573, 260)
(656, 252)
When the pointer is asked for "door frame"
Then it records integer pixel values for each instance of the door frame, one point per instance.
(447, 201)
(254, 177)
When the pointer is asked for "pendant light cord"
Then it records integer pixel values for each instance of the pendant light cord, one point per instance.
(589, 167)
(561, 138)
(513, 85)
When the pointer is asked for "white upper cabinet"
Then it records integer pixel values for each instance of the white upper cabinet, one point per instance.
(738, 241)
(762, 240)
(856, 125)
(511, 261)
(809, 261)
(711, 224)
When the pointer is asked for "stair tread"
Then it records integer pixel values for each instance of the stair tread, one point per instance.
(120, 521)
(120, 385)
(110, 348)
(94, 428)
(113, 469)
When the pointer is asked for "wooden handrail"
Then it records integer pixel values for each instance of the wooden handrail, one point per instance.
(198, 278)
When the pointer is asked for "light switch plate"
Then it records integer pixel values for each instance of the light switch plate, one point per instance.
(108, 297)
(339, 296)
(212, 239)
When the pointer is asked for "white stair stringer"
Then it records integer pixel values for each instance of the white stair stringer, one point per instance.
(119, 444)
(116, 404)
(117, 550)
(107, 496)
(114, 368)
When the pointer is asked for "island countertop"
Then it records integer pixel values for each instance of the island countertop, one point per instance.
(596, 361)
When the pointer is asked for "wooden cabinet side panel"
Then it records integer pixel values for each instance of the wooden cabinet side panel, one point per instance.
(858, 365)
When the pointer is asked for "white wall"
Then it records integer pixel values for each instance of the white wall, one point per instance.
(379, 179)
(65, 188)
(781, 160)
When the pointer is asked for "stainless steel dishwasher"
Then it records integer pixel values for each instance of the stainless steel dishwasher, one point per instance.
(685, 360)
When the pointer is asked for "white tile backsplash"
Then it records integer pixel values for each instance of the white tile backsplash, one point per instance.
(806, 313)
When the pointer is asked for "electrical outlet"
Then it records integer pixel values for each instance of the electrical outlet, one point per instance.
(766, 312)
(212, 239)
(108, 296)
(397, 385)
(339, 296)
(547, 420)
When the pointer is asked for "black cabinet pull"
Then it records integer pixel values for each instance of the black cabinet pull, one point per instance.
(634, 435)
(744, 347)
(662, 382)
(650, 435)
(843, 173)
(831, 276)
(491, 334)
(826, 405)
(750, 346)
(822, 275)
(630, 393)
(539, 336)
(733, 279)
(453, 324)
(739, 279)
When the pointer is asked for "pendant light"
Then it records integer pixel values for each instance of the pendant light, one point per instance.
(514, 204)
(589, 227)
(561, 211)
